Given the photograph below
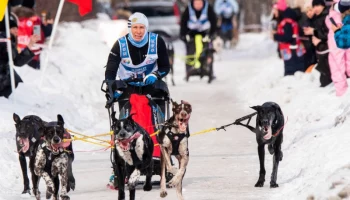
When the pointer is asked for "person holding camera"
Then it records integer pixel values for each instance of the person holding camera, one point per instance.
(19, 58)
(31, 24)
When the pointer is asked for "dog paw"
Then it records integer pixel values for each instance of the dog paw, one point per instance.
(71, 183)
(273, 185)
(259, 184)
(26, 194)
(270, 148)
(281, 155)
(163, 194)
(50, 188)
(36, 192)
(48, 195)
(174, 182)
(147, 187)
(65, 197)
(132, 183)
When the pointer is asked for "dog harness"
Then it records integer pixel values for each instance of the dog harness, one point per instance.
(127, 69)
(175, 141)
(49, 156)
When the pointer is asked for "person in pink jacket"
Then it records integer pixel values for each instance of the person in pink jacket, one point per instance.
(339, 59)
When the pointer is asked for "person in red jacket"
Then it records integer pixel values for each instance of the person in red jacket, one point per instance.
(31, 24)
(291, 48)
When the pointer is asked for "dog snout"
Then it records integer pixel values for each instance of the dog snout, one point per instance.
(265, 122)
(183, 114)
(22, 134)
(56, 139)
(122, 134)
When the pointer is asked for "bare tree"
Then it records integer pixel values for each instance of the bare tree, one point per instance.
(252, 10)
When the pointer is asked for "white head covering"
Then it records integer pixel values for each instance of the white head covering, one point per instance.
(137, 18)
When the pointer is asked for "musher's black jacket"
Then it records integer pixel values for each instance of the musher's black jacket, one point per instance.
(137, 55)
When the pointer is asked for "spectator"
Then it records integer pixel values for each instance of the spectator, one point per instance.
(340, 55)
(319, 32)
(28, 22)
(226, 11)
(342, 37)
(287, 36)
(19, 59)
(306, 21)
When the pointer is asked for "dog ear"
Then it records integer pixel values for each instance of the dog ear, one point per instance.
(130, 116)
(174, 104)
(60, 120)
(185, 102)
(114, 119)
(257, 108)
(16, 118)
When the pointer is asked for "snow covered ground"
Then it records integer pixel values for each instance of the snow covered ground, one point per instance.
(223, 165)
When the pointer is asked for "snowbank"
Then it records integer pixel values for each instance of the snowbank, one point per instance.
(71, 87)
(316, 137)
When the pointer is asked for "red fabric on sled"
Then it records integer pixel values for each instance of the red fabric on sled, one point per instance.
(142, 114)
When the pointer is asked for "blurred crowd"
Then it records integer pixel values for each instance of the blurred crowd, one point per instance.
(315, 36)
(29, 29)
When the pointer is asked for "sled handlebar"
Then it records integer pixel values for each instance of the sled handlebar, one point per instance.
(109, 88)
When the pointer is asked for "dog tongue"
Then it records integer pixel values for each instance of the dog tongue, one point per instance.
(124, 145)
(25, 144)
(55, 146)
(268, 135)
(64, 144)
(182, 126)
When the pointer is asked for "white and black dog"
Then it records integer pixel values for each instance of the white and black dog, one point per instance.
(173, 140)
(54, 157)
(133, 155)
(268, 130)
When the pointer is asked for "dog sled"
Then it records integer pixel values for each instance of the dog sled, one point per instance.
(144, 110)
(200, 58)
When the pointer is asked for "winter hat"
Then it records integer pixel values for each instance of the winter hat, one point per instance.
(138, 18)
(342, 6)
(281, 5)
(330, 2)
(13, 22)
(318, 2)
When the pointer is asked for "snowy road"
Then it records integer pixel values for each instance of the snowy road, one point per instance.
(223, 165)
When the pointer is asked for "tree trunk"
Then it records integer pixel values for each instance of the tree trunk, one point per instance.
(252, 10)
